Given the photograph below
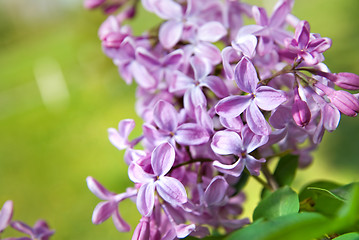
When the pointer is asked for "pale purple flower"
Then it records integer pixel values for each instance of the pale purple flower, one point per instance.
(40, 231)
(264, 97)
(231, 143)
(119, 137)
(142, 231)
(307, 47)
(109, 207)
(168, 188)
(6, 214)
(170, 128)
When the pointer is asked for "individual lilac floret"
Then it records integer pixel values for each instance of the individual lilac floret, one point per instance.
(307, 47)
(264, 97)
(6, 214)
(171, 129)
(169, 189)
(270, 30)
(40, 231)
(142, 231)
(227, 142)
(109, 207)
(119, 138)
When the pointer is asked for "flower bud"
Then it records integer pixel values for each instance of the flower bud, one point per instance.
(344, 80)
(300, 110)
(6, 214)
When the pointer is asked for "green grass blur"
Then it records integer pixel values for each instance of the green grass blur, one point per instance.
(48, 150)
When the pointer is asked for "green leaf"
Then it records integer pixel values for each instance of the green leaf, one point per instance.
(326, 193)
(295, 226)
(348, 236)
(286, 168)
(305, 193)
(279, 203)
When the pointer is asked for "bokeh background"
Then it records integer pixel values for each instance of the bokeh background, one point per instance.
(59, 94)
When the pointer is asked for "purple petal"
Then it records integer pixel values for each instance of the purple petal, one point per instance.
(301, 113)
(183, 230)
(191, 134)
(171, 190)
(320, 45)
(138, 175)
(268, 98)
(6, 214)
(245, 76)
(302, 34)
(146, 199)
(246, 44)
(208, 51)
(256, 121)
(22, 227)
(227, 142)
(120, 138)
(165, 116)
(216, 191)
(235, 124)
(265, 45)
(142, 76)
(235, 223)
(162, 159)
(229, 55)
(233, 106)
(279, 15)
(99, 190)
(174, 58)
(216, 85)
(234, 169)
(170, 33)
(119, 223)
(181, 82)
(331, 117)
(103, 211)
(260, 15)
(253, 165)
(193, 98)
(144, 57)
(280, 118)
(211, 32)
(200, 67)
(252, 141)
(167, 9)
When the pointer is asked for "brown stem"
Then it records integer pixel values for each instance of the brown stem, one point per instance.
(270, 179)
(201, 160)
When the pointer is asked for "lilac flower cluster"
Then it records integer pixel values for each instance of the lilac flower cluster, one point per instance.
(40, 231)
(218, 99)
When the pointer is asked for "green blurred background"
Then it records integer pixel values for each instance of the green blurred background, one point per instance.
(59, 93)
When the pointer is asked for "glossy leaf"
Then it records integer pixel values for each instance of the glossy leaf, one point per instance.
(282, 202)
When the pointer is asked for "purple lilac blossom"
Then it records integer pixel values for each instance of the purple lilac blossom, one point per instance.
(216, 96)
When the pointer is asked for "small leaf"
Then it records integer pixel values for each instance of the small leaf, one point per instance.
(326, 192)
(305, 193)
(279, 203)
(285, 171)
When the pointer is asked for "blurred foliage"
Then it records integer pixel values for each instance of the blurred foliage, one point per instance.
(46, 155)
